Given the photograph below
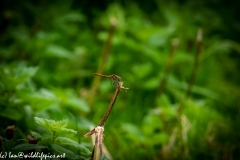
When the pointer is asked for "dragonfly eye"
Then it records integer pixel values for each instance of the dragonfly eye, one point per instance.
(114, 82)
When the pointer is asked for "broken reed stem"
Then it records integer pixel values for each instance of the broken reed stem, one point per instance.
(97, 150)
(104, 148)
(102, 62)
(162, 84)
(194, 71)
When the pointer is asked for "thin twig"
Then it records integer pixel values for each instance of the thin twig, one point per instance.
(105, 116)
(194, 71)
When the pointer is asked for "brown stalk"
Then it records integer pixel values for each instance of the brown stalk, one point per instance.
(118, 88)
(102, 62)
(162, 84)
(194, 71)
(108, 111)
(97, 150)
(104, 148)
(105, 116)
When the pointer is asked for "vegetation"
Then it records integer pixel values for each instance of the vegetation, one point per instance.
(180, 61)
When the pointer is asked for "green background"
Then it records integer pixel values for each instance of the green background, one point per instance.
(49, 51)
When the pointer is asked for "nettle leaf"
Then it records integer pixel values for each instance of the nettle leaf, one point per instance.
(35, 134)
(46, 139)
(68, 98)
(15, 75)
(69, 130)
(24, 147)
(40, 121)
(8, 144)
(41, 99)
(26, 72)
(54, 126)
(22, 73)
(69, 154)
(67, 141)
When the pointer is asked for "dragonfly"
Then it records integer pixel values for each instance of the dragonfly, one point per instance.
(105, 116)
(116, 79)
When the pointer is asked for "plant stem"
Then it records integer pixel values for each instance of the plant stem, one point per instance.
(162, 84)
(108, 111)
(97, 150)
(53, 137)
(194, 71)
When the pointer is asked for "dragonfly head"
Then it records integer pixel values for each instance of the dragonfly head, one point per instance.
(116, 78)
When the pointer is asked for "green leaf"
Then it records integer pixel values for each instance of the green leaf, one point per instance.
(68, 98)
(77, 103)
(54, 126)
(24, 147)
(133, 131)
(11, 113)
(58, 51)
(160, 138)
(35, 134)
(25, 72)
(152, 122)
(69, 130)
(13, 76)
(40, 121)
(71, 17)
(195, 89)
(102, 36)
(142, 70)
(40, 99)
(8, 144)
(104, 158)
(151, 83)
(67, 141)
(69, 154)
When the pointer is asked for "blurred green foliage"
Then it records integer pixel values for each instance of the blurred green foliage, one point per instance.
(50, 50)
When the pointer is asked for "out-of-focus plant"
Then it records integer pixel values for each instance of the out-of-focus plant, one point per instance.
(49, 51)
